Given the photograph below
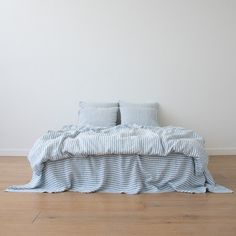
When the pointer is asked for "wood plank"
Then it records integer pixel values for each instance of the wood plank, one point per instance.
(70, 213)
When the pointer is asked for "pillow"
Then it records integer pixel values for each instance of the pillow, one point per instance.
(99, 117)
(144, 105)
(139, 116)
(83, 104)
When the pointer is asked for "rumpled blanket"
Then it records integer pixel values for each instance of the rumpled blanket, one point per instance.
(87, 141)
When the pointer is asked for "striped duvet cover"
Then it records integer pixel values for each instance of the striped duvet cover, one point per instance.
(130, 159)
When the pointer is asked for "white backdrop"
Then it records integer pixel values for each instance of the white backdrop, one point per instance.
(54, 53)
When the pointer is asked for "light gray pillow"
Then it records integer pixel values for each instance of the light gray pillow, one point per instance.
(139, 116)
(144, 105)
(83, 104)
(98, 117)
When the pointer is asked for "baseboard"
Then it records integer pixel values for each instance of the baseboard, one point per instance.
(221, 151)
(25, 151)
(14, 152)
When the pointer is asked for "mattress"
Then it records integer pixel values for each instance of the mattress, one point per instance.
(129, 174)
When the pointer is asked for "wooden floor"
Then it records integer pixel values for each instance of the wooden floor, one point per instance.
(116, 214)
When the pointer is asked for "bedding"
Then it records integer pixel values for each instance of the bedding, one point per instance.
(84, 104)
(134, 146)
(138, 105)
(139, 113)
(103, 117)
(121, 174)
(139, 116)
(96, 105)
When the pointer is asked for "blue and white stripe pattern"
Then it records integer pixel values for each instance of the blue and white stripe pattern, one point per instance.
(121, 174)
(128, 159)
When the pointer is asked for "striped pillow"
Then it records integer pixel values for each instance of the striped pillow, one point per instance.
(98, 117)
(139, 115)
(143, 105)
(83, 104)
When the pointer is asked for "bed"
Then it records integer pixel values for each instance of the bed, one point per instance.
(121, 159)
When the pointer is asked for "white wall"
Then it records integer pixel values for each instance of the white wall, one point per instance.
(54, 53)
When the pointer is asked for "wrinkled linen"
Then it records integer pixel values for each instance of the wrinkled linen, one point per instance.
(125, 140)
(119, 140)
(121, 174)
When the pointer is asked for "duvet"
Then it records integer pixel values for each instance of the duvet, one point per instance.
(122, 140)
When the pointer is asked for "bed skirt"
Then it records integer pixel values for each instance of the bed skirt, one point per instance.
(121, 174)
